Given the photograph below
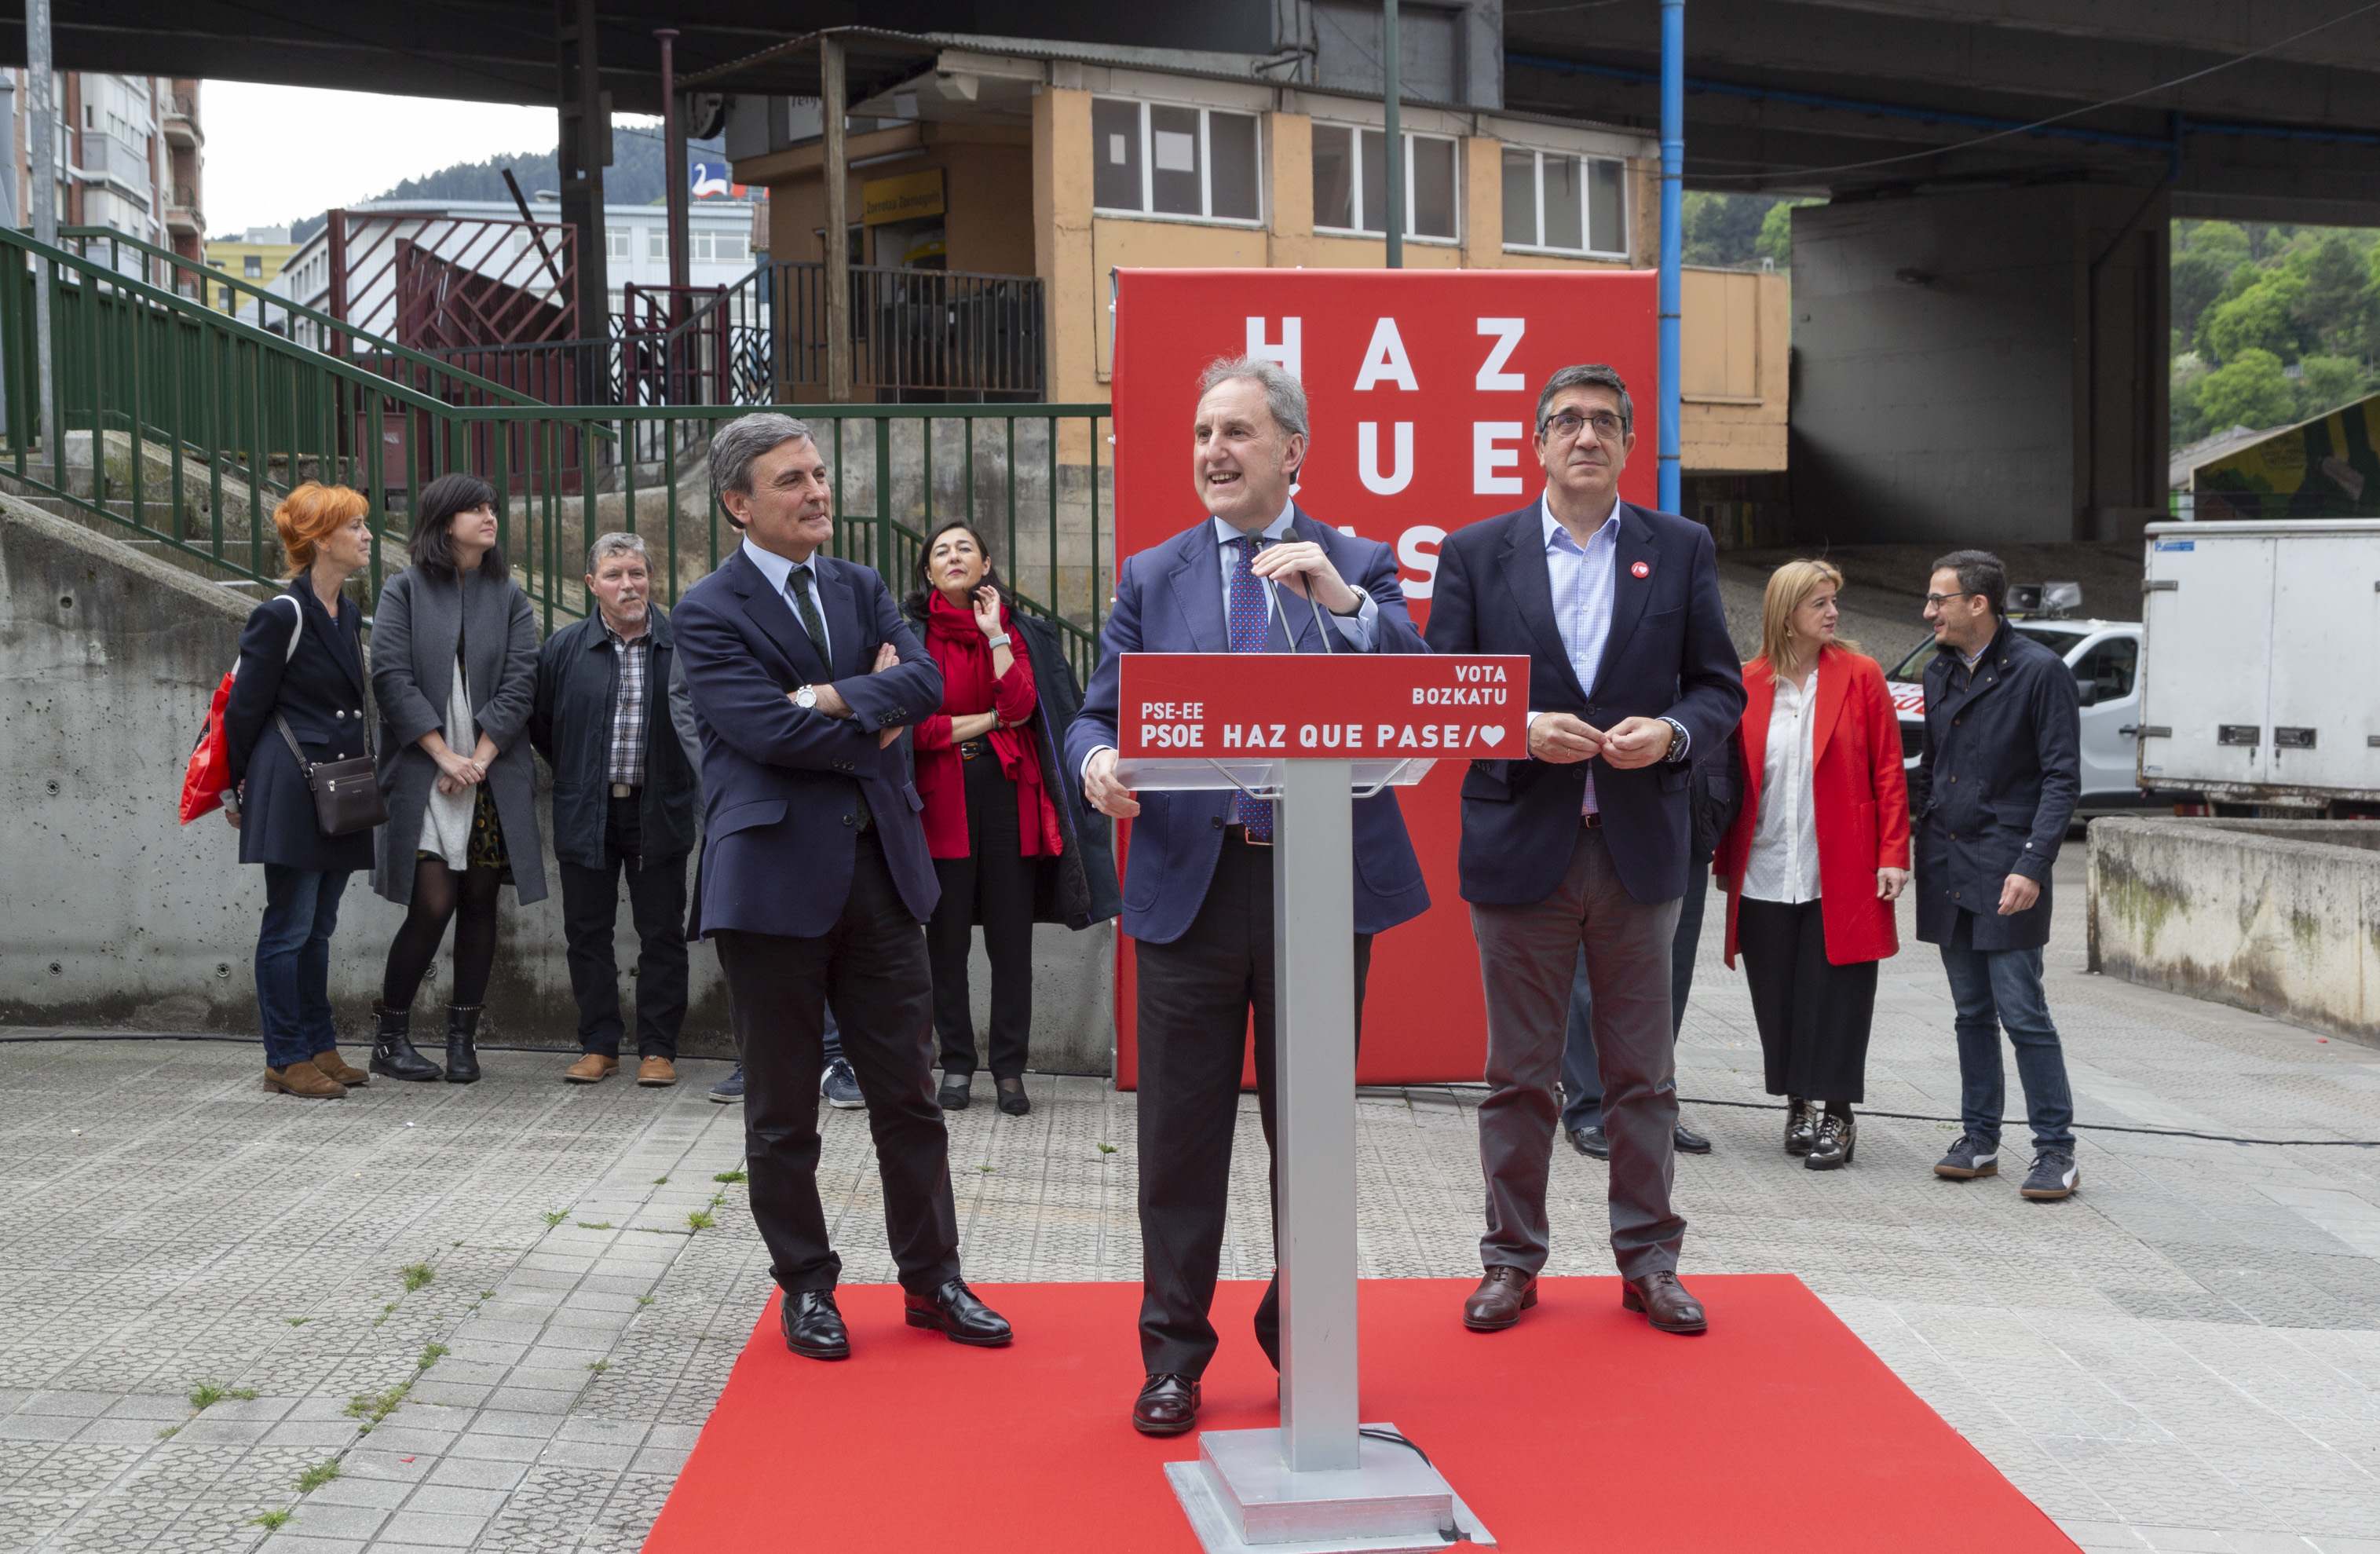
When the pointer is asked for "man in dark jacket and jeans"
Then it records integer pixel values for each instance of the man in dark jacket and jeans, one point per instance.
(1995, 786)
(613, 721)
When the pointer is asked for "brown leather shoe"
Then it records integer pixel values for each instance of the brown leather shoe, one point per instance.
(1168, 1405)
(304, 1079)
(593, 1069)
(1502, 1296)
(336, 1068)
(654, 1072)
(1665, 1303)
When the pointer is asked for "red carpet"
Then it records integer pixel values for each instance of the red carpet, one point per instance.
(1775, 1433)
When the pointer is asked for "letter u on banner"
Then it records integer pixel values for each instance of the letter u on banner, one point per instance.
(1367, 459)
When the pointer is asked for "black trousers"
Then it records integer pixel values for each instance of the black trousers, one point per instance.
(872, 965)
(993, 886)
(1813, 1017)
(590, 906)
(1195, 999)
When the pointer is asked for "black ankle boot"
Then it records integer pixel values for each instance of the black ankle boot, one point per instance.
(462, 1025)
(393, 1052)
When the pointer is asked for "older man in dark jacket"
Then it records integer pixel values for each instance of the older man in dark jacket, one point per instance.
(1995, 786)
(613, 721)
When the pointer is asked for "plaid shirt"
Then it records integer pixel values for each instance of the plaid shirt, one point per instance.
(627, 763)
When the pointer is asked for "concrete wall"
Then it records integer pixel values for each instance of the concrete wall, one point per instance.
(2281, 917)
(116, 916)
(1979, 368)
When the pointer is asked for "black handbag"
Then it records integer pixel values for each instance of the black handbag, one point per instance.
(346, 793)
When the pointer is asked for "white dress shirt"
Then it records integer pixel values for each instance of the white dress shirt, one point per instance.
(780, 572)
(1784, 862)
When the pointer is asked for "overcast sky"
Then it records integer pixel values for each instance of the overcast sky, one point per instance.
(276, 154)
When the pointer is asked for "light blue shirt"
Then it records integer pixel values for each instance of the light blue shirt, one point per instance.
(1356, 628)
(780, 572)
(1583, 579)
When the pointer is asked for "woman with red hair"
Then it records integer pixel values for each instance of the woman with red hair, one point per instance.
(300, 695)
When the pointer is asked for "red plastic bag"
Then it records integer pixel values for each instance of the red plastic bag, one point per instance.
(208, 776)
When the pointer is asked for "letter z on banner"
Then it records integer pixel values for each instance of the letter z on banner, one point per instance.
(1422, 387)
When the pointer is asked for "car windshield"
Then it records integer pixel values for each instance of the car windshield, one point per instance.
(2058, 639)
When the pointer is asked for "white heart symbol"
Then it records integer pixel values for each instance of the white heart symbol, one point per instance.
(1492, 735)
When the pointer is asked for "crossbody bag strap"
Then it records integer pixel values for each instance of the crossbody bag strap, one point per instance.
(304, 765)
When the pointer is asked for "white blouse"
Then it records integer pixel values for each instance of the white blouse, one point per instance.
(1783, 866)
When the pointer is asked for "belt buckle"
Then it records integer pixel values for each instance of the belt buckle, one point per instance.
(622, 790)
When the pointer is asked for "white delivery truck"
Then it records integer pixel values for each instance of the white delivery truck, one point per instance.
(2261, 664)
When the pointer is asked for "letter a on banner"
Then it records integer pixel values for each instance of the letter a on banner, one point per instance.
(1287, 353)
(1384, 359)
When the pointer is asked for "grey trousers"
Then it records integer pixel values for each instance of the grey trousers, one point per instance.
(1526, 956)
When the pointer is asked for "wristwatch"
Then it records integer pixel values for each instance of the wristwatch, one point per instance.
(805, 697)
(999, 641)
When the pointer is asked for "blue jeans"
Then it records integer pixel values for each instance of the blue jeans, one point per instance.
(2002, 987)
(293, 962)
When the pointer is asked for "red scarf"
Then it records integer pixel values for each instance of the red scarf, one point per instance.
(957, 644)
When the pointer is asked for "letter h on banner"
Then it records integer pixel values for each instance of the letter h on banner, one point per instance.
(1290, 353)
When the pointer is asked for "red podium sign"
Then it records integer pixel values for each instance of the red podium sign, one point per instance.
(1367, 707)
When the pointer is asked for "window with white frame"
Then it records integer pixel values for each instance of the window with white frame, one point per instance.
(1156, 159)
(1565, 203)
(1351, 183)
(657, 242)
(716, 247)
(616, 242)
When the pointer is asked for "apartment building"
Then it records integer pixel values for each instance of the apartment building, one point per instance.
(129, 154)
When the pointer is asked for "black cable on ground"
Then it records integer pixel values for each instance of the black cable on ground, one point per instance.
(2005, 1122)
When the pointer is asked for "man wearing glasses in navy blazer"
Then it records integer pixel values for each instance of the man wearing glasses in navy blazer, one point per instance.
(1584, 842)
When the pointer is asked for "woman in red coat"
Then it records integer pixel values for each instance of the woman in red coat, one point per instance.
(1816, 856)
(989, 816)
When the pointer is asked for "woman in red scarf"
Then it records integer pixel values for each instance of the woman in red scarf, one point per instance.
(988, 815)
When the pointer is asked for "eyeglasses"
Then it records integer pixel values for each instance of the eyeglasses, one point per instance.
(1936, 601)
(1566, 426)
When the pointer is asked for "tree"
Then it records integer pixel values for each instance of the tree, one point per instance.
(2328, 381)
(2248, 390)
(2335, 308)
(2263, 316)
(1776, 241)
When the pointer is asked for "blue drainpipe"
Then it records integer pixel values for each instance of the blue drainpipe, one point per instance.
(1673, 171)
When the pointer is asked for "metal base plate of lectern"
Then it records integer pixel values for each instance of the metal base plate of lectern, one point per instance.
(1240, 1500)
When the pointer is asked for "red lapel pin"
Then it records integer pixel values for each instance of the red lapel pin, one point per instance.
(1642, 569)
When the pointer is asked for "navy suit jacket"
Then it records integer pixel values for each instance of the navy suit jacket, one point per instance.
(780, 824)
(1668, 656)
(1168, 599)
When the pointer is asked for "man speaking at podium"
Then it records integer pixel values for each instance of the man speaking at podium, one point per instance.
(1584, 842)
(1256, 576)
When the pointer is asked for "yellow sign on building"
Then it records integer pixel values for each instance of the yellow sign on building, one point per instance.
(900, 198)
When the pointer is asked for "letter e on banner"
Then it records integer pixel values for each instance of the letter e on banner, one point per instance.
(1486, 458)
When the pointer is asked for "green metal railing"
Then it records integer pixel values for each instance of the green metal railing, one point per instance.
(185, 426)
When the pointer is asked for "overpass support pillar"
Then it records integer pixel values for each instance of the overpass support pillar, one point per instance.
(1984, 367)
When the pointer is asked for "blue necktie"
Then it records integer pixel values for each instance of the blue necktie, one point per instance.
(1249, 619)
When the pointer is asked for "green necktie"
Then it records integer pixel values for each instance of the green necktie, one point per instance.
(817, 628)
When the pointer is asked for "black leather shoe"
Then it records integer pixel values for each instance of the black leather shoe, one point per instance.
(954, 1311)
(1014, 1102)
(1593, 1142)
(1168, 1405)
(952, 1095)
(393, 1052)
(462, 1029)
(1838, 1140)
(1801, 1126)
(1690, 1142)
(813, 1327)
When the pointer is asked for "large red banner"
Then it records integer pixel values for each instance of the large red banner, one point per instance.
(1421, 388)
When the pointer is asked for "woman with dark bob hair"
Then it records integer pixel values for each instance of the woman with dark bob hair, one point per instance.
(455, 671)
(298, 697)
(1011, 840)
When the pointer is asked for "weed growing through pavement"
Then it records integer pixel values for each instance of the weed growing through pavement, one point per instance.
(374, 1407)
(322, 1473)
(417, 1275)
(205, 1395)
(385, 1311)
(644, 1300)
(599, 1367)
(729, 1177)
(585, 1225)
(1107, 1148)
(431, 1355)
(555, 1216)
(271, 1521)
(245, 1394)
(297, 1321)
(660, 1180)
(169, 1432)
(699, 1218)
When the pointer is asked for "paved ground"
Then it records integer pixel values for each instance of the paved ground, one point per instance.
(2186, 1357)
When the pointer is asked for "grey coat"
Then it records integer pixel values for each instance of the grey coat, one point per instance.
(423, 612)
